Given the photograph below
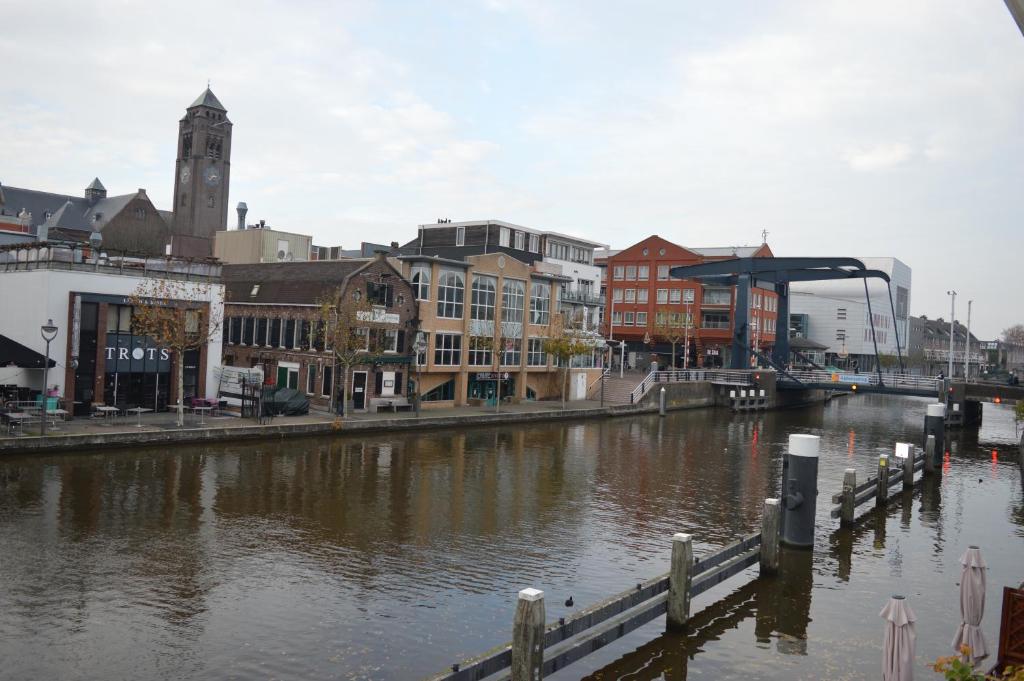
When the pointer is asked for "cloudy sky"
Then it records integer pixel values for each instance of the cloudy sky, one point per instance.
(843, 128)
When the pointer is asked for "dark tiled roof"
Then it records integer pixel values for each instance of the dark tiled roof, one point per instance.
(62, 210)
(96, 184)
(288, 283)
(208, 99)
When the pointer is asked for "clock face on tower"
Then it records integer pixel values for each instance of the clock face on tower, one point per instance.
(211, 177)
(186, 174)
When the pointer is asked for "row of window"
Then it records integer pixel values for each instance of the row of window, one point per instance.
(562, 251)
(296, 334)
(708, 320)
(448, 348)
(506, 237)
(483, 296)
(760, 300)
(663, 296)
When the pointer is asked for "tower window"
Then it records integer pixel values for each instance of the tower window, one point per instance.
(210, 201)
(214, 147)
(184, 196)
(186, 145)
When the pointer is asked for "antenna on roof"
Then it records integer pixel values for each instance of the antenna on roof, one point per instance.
(764, 236)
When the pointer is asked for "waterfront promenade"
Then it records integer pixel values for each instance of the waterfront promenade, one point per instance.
(162, 428)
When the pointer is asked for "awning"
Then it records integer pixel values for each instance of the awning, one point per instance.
(13, 353)
(394, 359)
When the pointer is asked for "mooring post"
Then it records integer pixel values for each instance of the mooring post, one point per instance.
(905, 451)
(770, 537)
(800, 491)
(661, 401)
(930, 465)
(882, 484)
(528, 636)
(935, 424)
(849, 497)
(679, 577)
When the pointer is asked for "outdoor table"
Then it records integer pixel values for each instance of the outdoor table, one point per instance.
(202, 414)
(139, 411)
(56, 413)
(107, 411)
(16, 419)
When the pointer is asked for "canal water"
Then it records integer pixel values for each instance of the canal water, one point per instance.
(392, 557)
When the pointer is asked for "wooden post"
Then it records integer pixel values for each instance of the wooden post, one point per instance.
(929, 455)
(679, 577)
(770, 537)
(882, 484)
(908, 464)
(528, 636)
(849, 494)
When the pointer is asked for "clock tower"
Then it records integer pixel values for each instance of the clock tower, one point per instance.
(201, 174)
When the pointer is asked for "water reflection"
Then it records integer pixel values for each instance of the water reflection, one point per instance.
(392, 557)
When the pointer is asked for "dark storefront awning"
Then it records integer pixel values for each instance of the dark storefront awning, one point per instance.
(394, 359)
(14, 353)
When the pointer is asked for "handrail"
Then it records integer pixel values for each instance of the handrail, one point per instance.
(887, 380)
(729, 376)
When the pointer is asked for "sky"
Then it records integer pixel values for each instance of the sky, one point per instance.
(863, 128)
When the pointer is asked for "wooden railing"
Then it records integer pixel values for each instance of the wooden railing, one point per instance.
(877, 487)
(543, 649)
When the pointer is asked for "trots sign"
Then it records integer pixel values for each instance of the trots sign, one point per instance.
(125, 353)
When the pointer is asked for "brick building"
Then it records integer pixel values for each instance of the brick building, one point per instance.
(271, 320)
(643, 299)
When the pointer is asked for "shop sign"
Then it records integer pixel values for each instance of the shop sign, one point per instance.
(492, 375)
(126, 353)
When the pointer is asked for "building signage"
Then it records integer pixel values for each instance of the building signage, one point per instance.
(377, 316)
(126, 353)
(491, 375)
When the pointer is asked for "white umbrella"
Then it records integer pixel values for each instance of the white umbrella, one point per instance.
(900, 637)
(972, 606)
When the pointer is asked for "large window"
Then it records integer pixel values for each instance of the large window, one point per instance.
(617, 272)
(236, 330)
(445, 391)
(480, 351)
(379, 293)
(505, 237)
(534, 243)
(328, 382)
(421, 281)
(662, 297)
(641, 319)
(641, 295)
(421, 357)
(521, 241)
(450, 294)
(483, 297)
(540, 302)
(643, 273)
(535, 355)
(513, 295)
(274, 339)
(512, 355)
(289, 333)
(617, 295)
(448, 349)
(629, 319)
(389, 340)
(460, 236)
(630, 295)
(662, 272)
(310, 379)
(717, 296)
(248, 330)
(616, 318)
(261, 331)
(714, 320)
(675, 296)
(630, 272)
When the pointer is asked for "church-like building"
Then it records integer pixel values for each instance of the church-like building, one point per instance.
(130, 222)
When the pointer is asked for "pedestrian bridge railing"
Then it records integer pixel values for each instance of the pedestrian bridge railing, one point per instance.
(539, 649)
(895, 381)
(718, 376)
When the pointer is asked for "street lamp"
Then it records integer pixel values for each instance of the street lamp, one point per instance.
(686, 340)
(967, 344)
(622, 358)
(48, 331)
(419, 347)
(952, 316)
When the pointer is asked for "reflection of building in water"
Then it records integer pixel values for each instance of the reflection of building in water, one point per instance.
(784, 602)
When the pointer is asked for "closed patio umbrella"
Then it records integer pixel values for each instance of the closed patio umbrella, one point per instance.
(900, 637)
(972, 606)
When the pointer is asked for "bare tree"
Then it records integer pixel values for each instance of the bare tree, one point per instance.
(351, 333)
(178, 316)
(670, 325)
(566, 340)
(1014, 334)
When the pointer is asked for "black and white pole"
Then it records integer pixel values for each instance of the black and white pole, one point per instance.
(935, 424)
(800, 491)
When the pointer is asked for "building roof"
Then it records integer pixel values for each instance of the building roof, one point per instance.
(288, 283)
(520, 228)
(96, 184)
(62, 211)
(208, 99)
(727, 251)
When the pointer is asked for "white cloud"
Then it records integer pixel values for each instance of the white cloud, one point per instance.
(878, 156)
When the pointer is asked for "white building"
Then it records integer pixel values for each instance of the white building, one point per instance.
(835, 314)
(98, 359)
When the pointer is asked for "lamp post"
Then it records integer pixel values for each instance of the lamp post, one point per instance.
(952, 317)
(48, 331)
(419, 347)
(967, 344)
(686, 340)
(622, 357)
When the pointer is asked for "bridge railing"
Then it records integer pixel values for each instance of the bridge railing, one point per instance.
(887, 380)
(731, 377)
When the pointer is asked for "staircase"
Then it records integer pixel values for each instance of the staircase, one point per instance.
(617, 390)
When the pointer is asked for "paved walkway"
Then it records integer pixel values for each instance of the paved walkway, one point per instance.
(161, 428)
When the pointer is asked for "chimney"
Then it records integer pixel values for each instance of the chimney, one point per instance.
(95, 191)
(394, 244)
(263, 224)
(242, 210)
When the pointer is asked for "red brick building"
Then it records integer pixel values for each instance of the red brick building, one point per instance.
(643, 300)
